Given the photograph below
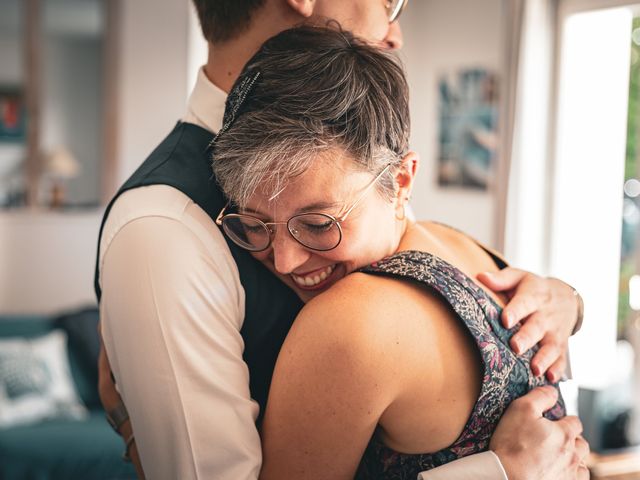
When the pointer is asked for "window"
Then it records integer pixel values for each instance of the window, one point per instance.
(629, 295)
(590, 143)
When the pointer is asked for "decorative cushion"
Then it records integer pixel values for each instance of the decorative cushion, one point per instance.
(81, 327)
(82, 330)
(35, 381)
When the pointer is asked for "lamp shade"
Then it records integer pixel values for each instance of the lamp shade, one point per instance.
(62, 164)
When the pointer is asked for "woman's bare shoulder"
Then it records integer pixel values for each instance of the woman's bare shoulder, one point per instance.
(367, 310)
(344, 338)
(449, 234)
(363, 335)
(364, 295)
(458, 238)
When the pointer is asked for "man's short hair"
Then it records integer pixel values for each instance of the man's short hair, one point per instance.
(222, 20)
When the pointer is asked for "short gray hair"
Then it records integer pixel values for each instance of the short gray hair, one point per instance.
(318, 89)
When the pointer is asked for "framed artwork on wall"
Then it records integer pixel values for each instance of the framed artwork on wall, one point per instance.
(468, 119)
(12, 147)
(12, 116)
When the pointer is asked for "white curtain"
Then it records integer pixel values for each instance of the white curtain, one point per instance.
(523, 201)
(512, 31)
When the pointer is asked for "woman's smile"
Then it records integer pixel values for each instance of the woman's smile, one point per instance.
(314, 280)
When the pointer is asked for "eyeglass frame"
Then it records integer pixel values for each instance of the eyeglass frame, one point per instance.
(336, 221)
(395, 14)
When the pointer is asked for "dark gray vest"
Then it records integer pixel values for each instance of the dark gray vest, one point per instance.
(182, 161)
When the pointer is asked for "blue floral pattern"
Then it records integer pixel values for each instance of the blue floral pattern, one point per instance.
(506, 375)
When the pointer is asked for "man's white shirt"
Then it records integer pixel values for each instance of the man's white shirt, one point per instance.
(171, 312)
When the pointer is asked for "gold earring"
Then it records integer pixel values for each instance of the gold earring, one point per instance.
(403, 215)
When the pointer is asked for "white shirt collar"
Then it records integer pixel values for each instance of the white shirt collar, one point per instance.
(205, 107)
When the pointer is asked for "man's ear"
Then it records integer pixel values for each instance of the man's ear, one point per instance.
(302, 7)
(406, 174)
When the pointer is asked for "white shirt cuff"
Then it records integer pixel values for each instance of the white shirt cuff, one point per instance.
(481, 466)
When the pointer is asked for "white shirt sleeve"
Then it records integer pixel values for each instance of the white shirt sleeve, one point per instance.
(172, 308)
(481, 466)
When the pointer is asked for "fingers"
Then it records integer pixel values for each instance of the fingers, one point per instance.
(571, 425)
(531, 333)
(583, 473)
(580, 457)
(524, 303)
(551, 357)
(538, 400)
(558, 370)
(582, 452)
(528, 292)
(549, 354)
(582, 448)
(506, 279)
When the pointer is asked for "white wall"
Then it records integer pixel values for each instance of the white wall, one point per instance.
(198, 49)
(153, 76)
(47, 259)
(10, 49)
(442, 36)
(11, 42)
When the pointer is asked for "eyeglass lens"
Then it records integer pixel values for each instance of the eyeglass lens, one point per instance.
(313, 230)
(247, 232)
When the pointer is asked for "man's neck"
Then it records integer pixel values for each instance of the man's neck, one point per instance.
(224, 66)
(226, 60)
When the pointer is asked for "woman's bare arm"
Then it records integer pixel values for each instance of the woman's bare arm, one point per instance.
(335, 376)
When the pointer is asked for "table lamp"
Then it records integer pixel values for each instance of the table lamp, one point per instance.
(61, 166)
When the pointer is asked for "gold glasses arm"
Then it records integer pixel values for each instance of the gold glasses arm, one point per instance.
(394, 12)
(220, 215)
(363, 194)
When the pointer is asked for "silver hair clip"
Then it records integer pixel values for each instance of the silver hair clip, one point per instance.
(235, 100)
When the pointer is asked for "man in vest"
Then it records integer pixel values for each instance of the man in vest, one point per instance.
(192, 325)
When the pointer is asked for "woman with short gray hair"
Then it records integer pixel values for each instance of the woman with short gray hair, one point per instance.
(398, 363)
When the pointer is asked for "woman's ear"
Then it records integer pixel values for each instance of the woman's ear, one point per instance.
(302, 7)
(405, 176)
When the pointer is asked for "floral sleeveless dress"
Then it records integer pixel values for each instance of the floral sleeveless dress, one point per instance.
(506, 375)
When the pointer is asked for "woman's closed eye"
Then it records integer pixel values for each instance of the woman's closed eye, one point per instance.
(252, 227)
(314, 227)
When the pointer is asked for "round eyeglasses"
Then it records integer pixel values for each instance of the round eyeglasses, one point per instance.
(395, 7)
(315, 231)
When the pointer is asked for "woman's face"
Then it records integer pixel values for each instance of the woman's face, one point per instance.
(331, 186)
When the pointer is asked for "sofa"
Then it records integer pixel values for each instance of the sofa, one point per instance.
(65, 443)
